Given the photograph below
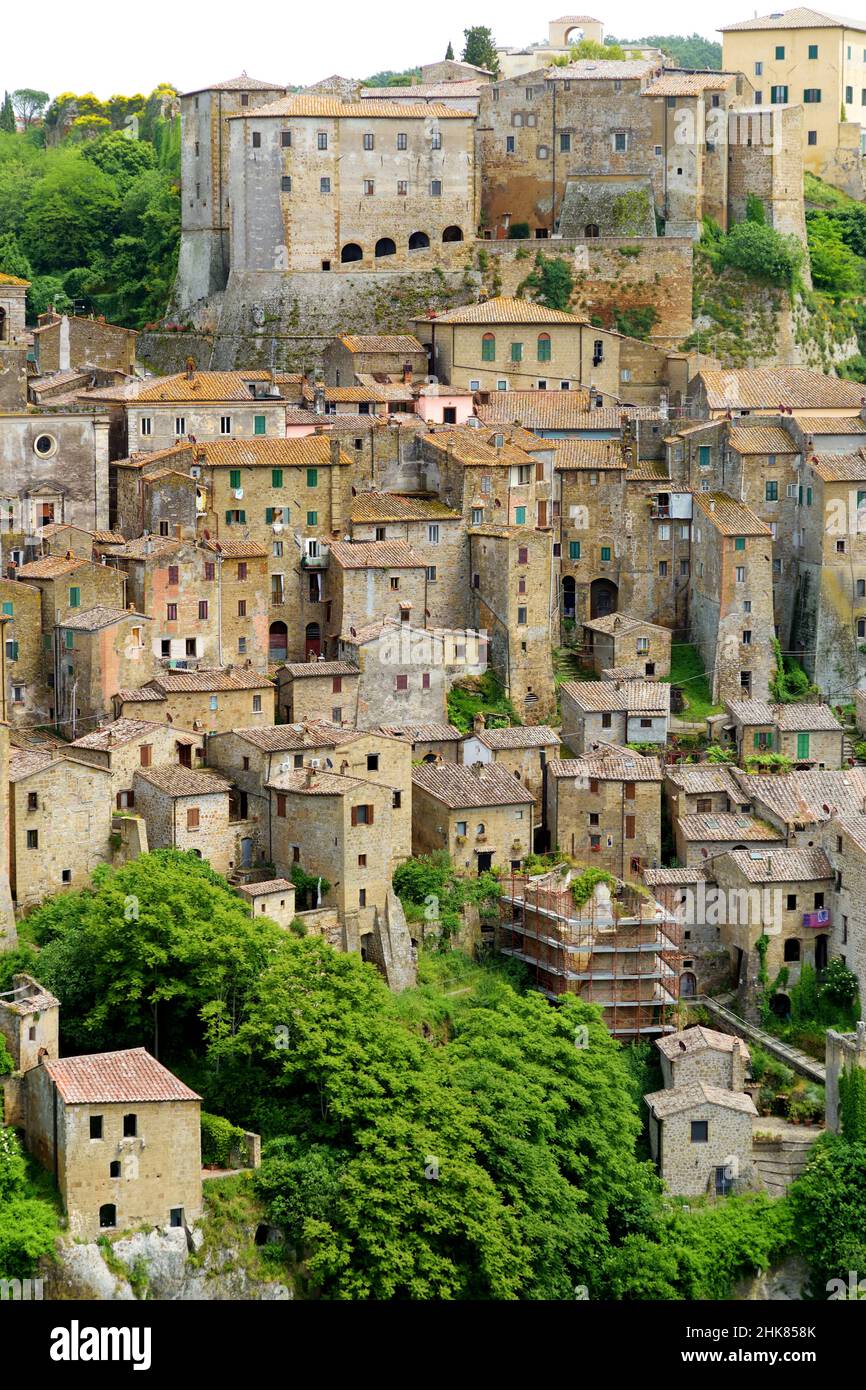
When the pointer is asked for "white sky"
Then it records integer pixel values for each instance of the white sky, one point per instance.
(109, 47)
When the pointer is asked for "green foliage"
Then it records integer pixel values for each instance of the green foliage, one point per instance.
(853, 369)
(160, 951)
(431, 891)
(631, 211)
(28, 1223)
(7, 115)
(636, 320)
(768, 762)
(763, 253)
(688, 51)
(308, 887)
(804, 995)
(218, 1137)
(836, 268)
(828, 1205)
(839, 984)
(480, 695)
(717, 754)
(479, 48)
(29, 103)
(6, 1060)
(588, 48)
(583, 885)
(852, 1104)
(687, 672)
(449, 52)
(755, 211)
(518, 231)
(551, 282)
(387, 78)
(789, 682)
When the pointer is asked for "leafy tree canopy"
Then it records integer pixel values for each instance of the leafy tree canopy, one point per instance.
(688, 51)
(29, 104)
(479, 48)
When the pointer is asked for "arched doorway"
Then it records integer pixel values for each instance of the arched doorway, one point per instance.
(602, 598)
(351, 252)
(591, 230)
(278, 642)
(688, 984)
(108, 1216)
(419, 241)
(792, 949)
(452, 234)
(781, 1005)
(569, 597)
(386, 246)
(312, 640)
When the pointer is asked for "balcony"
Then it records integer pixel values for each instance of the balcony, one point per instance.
(315, 562)
(820, 918)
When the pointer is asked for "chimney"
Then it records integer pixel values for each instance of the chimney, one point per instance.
(407, 373)
(308, 778)
(190, 368)
(478, 769)
(479, 723)
(335, 450)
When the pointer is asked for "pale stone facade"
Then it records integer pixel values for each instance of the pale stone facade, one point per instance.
(186, 809)
(480, 815)
(59, 824)
(701, 1138)
(604, 809)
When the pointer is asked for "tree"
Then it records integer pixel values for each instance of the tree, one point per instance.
(449, 52)
(70, 216)
(29, 104)
(588, 48)
(828, 1204)
(551, 282)
(12, 259)
(480, 48)
(7, 115)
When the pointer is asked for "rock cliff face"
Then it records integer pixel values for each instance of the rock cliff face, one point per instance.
(155, 1265)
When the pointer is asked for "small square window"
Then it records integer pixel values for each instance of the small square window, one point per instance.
(700, 1131)
(286, 183)
(257, 140)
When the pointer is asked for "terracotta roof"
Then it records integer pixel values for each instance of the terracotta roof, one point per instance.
(332, 107)
(853, 826)
(239, 84)
(23, 762)
(175, 780)
(108, 1078)
(236, 549)
(381, 342)
(520, 736)
(790, 718)
(205, 386)
(389, 506)
(287, 738)
(30, 997)
(673, 878)
(108, 537)
(51, 567)
(505, 309)
(783, 865)
(688, 84)
(237, 678)
(823, 424)
(762, 439)
(839, 468)
(678, 1098)
(381, 391)
(311, 450)
(592, 454)
(646, 696)
(321, 783)
(120, 731)
(143, 695)
(308, 670)
(769, 387)
(601, 69)
(648, 471)
(423, 733)
(798, 18)
(806, 798)
(609, 763)
(268, 885)
(460, 787)
(149, 547)
(620, 624)
(723, 825)
(94, 619)
(361, 555)
(698, 1039)
(695, 779)
(472, 449)
(729, 517)
(431, 91)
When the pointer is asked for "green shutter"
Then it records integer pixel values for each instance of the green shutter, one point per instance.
(574, 550)
(488, 348)
(242, 518)
(605, 552)
(544, 349)
(739, 542)
(228, 518)
(808, 497)
(757, 740)
(704, 455)
(12, 649)
(520, 516)
(312, 477)
(802, 745)
(69, 637)
(9, 610)
(517, 352)
(259, 424)
(312, 518)
(269, 516)
(276, 477)
(234, 477)
(74, 597)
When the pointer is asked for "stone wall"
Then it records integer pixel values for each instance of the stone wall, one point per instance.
(688, 1169)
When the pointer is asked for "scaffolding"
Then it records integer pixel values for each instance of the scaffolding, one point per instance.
(621, 950)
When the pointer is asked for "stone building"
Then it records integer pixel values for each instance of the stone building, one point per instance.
(702, 1054)
(317, 184)
(731, 596)
(524, 751)
(59, 824)
(844, 842)
(120, 1134)
(808, 734)
(431, 743)
(511, 344)
(563, 34)
(205, 255)
(103, 650)
(512, 591)
(61, 341)
(618, 640)
(397, 356)
(186, 808)
(783, 895)
(732, 392)
(604, 809)
(26, 693)
(311, 689)
(690, 895)
(13, 341)
(368, 581)
(403, 672)
(271, 897)
(156, 494)
(701, 1139)
(8, 933)
(701, 837)
(797, 803)
(124, 746)
(212, 700)
(702, 789)
(481, 816)
(434, 532)
(54, 468)
(802, 56)
(203, 406)
(614, 711)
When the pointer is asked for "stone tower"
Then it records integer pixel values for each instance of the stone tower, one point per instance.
(13, 349)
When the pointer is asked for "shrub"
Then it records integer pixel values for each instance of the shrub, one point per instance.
(518, 231)
(218, 1138)
(762, 253)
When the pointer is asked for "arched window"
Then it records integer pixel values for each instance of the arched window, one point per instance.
(544, 347)
(792, 948)
(351, 252)
(386, 247)
(688, 985)
(419, 241)
(488, 348)
(278, 642)
(591, 229)
(452, 234)
(107, 1216)
(312, 640)
(480, 828)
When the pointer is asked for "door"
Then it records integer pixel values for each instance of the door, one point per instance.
(724, 1181)
(312, 640)
(246, 853)
(820, 953)
(278, 642)
(602, 598)
(449, 415)
(485, 861)
(184, 754)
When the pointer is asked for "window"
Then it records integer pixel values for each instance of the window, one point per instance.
(771, 490)
(663, 569)
(759, 69)
(780, 51)
(704, 455)
(779, 95)
(96, 1126)
(435, 188)
(362, 815)
(312, 518)
(32, 839)
(811, 137)
(813, 50)
(402, 140)
(114, 1168)
(312, 477)
(322, 140)
(324, 185)
(242, 608)
(402, 188)
(629, 827)
(520, 516)
(522, 555)
(285, 183)
(747, 637)
(436, 140)
(802, 745)
(213, 703)
(257, 139)
(849, 93)
(739, 542)
(225, 424)
(145, 425)
(620, 141)
(130, 1126)
(257, 704)
(564, 141)
(425, 685)
(574, 550)
(401, 682)
(812, 95)
(171, 612)
(509, 144)
(605, 553)
(145, 754)
(700, 1131)
(202, 610)
(395, 582)
(74, 597)
(192, 818)
(544, 347)
(431, 574)
(286, 139)
(740, 574)
(369, 141)
(521, 617)
(180, 424)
